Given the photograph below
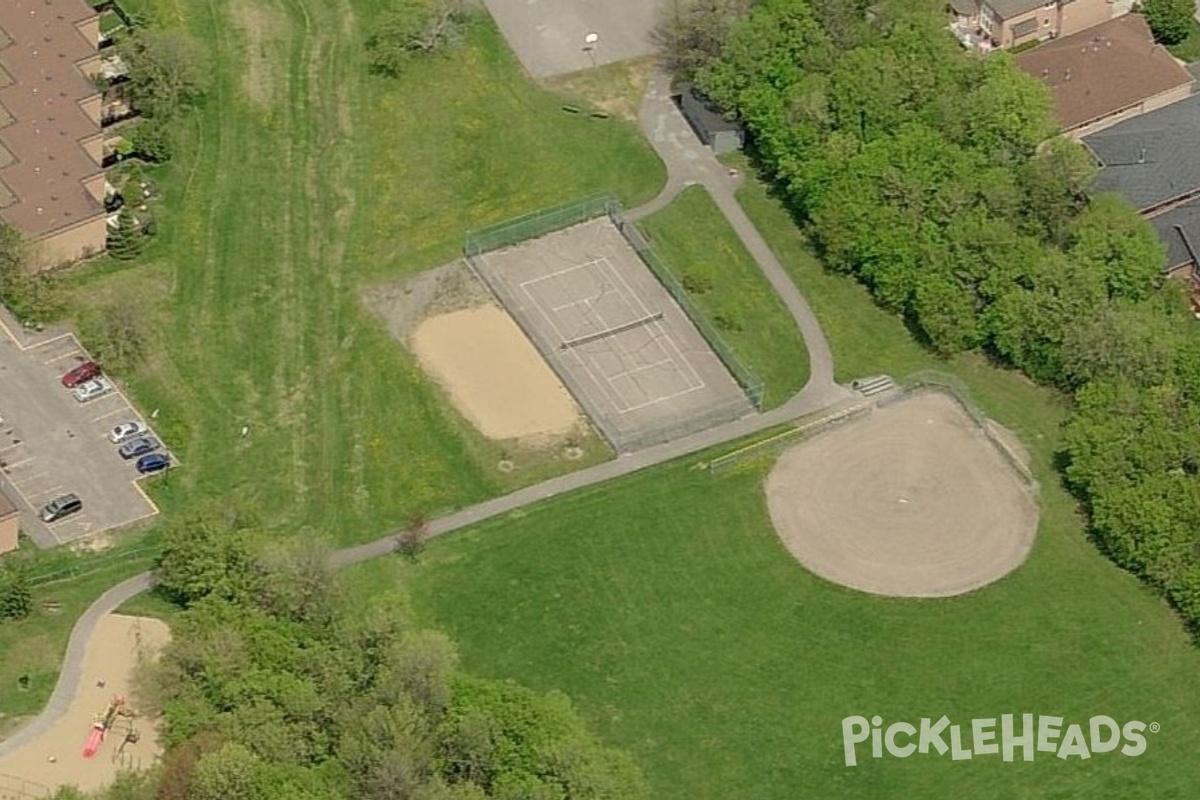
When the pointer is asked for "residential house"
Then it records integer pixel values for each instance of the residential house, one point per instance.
(986, 24)
(1154, 162)
(1107, 74)
(52, 185)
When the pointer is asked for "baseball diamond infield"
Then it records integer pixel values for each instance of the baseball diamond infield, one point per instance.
(912, 500)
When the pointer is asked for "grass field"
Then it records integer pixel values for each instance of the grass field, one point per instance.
(665, 606)
(700, 247)
(301, 179)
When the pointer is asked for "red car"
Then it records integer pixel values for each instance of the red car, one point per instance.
(81, 374)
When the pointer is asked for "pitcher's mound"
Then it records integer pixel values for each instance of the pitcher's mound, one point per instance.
(911, 501)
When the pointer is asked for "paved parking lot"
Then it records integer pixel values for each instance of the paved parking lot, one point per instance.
(51, 444)
(553, 37)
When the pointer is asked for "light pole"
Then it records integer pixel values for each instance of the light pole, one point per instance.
(591, 41)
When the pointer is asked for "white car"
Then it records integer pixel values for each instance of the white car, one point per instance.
(126, 431)
(92, 389)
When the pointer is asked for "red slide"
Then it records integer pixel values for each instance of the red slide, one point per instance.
(93, 742)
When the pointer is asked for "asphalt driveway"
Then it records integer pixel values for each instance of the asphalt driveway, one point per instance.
(51, 444)
(550, 37)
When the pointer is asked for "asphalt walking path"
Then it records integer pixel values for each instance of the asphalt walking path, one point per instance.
(688, 163)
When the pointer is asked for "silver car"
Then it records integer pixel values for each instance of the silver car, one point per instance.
(90, 390)
(126, 431)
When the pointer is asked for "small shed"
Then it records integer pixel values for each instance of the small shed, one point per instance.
(10, 524)
(716, 130)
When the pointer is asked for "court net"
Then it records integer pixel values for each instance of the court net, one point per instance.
(613, 331)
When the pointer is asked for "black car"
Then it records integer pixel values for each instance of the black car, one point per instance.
(138, 447)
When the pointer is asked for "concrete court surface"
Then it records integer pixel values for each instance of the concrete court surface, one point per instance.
(549, 36)
(621, 344)
(50, 444)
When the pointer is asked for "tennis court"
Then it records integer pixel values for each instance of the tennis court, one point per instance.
(619, 342)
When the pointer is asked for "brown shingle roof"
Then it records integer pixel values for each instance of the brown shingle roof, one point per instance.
(1102, 70)
(49, 166)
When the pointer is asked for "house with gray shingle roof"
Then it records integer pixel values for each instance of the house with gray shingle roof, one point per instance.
(1153, 161)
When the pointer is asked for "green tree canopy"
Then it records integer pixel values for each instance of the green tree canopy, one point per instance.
(167, 70)
(1170, 20)
(272, 680)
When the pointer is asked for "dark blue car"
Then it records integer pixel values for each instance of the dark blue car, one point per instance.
(138, 447)
(155, 462)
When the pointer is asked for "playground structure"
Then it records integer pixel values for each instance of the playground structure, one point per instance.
(103, 723)
(44, 755)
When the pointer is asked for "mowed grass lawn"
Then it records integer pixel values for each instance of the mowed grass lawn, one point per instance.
(664, 604)
(300, 180)
(698, 244)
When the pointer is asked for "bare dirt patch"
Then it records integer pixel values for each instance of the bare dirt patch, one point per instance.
(265, 32)
(494, 375)
(55, 758)
(912, 501)
(403, 305)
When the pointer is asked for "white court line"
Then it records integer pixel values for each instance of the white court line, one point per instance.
(614, 401)
(622, 404)
(586, 302)
(663, 331)
(662, 399)
(562, 271)
(20, 463)
(694, 384)
(629, 372)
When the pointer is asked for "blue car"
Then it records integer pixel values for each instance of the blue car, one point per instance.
(138, 447)
(155, 462)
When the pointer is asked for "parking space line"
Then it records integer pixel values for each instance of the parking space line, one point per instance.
(54, 490)
(68, 354)
(25, 482)
(137, 484)
(34, 491)
(75, 518)
(107, 414)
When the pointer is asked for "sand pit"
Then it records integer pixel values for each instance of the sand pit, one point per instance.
(494, 375)
(55, 758)
(911, 501)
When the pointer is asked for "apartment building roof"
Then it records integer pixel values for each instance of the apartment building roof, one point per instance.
(1179, 229)
(42, 162)
(1151, 159)
(1100, 71)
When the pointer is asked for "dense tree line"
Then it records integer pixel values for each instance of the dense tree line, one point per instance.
(274, 688)
(935, 178)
